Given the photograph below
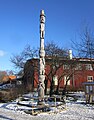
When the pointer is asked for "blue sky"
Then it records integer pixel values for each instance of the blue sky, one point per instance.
(19, 24)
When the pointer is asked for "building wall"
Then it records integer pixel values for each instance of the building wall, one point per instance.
(76, 80)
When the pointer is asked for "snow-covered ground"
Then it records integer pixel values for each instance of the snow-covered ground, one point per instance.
(72, 111)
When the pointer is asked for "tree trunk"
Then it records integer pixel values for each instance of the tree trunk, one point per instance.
(51, 87)
(64, 90)
(57, 89)
(46, 83)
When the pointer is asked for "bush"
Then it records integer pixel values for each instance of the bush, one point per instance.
(11, 94)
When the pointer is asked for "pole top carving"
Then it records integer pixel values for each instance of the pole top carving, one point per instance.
(42, 16)
(42, 12)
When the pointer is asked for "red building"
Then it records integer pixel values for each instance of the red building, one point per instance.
(59, 72)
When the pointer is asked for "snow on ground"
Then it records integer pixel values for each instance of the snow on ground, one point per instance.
(73, 111)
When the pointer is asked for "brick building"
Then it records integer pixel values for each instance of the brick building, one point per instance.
(59, 72)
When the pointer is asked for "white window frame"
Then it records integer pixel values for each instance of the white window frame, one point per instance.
(78, 67)
(90, 78)
(89, 67)
(66, 67)
(65, 78)
(55, 78)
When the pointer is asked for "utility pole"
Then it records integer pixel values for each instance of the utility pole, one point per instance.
(41, 86)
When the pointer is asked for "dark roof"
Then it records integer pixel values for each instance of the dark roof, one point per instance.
(62, 59)
(88, 83)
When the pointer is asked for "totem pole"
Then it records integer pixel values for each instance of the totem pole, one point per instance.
(41, 86)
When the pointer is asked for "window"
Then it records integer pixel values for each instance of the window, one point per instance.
(90, 78)
(78, 67)
(65, 80)
(91, 88)
(55, 78)
(89, 67)
(66, 67)
(87, 89)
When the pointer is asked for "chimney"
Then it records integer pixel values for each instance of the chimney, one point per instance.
(70, 54)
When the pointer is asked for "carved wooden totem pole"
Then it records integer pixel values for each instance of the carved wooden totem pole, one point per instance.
(41, 86)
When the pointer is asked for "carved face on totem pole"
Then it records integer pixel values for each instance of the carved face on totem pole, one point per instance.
(42, 19)
(42, 27)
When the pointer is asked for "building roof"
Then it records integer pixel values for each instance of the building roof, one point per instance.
(88, 83)
(10, 77)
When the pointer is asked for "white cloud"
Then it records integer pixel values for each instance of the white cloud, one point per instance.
(2, 53)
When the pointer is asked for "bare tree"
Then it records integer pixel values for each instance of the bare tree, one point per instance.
(85, 46)
(52, 49)
(20, 59)
(53, 53)
(69, 68)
